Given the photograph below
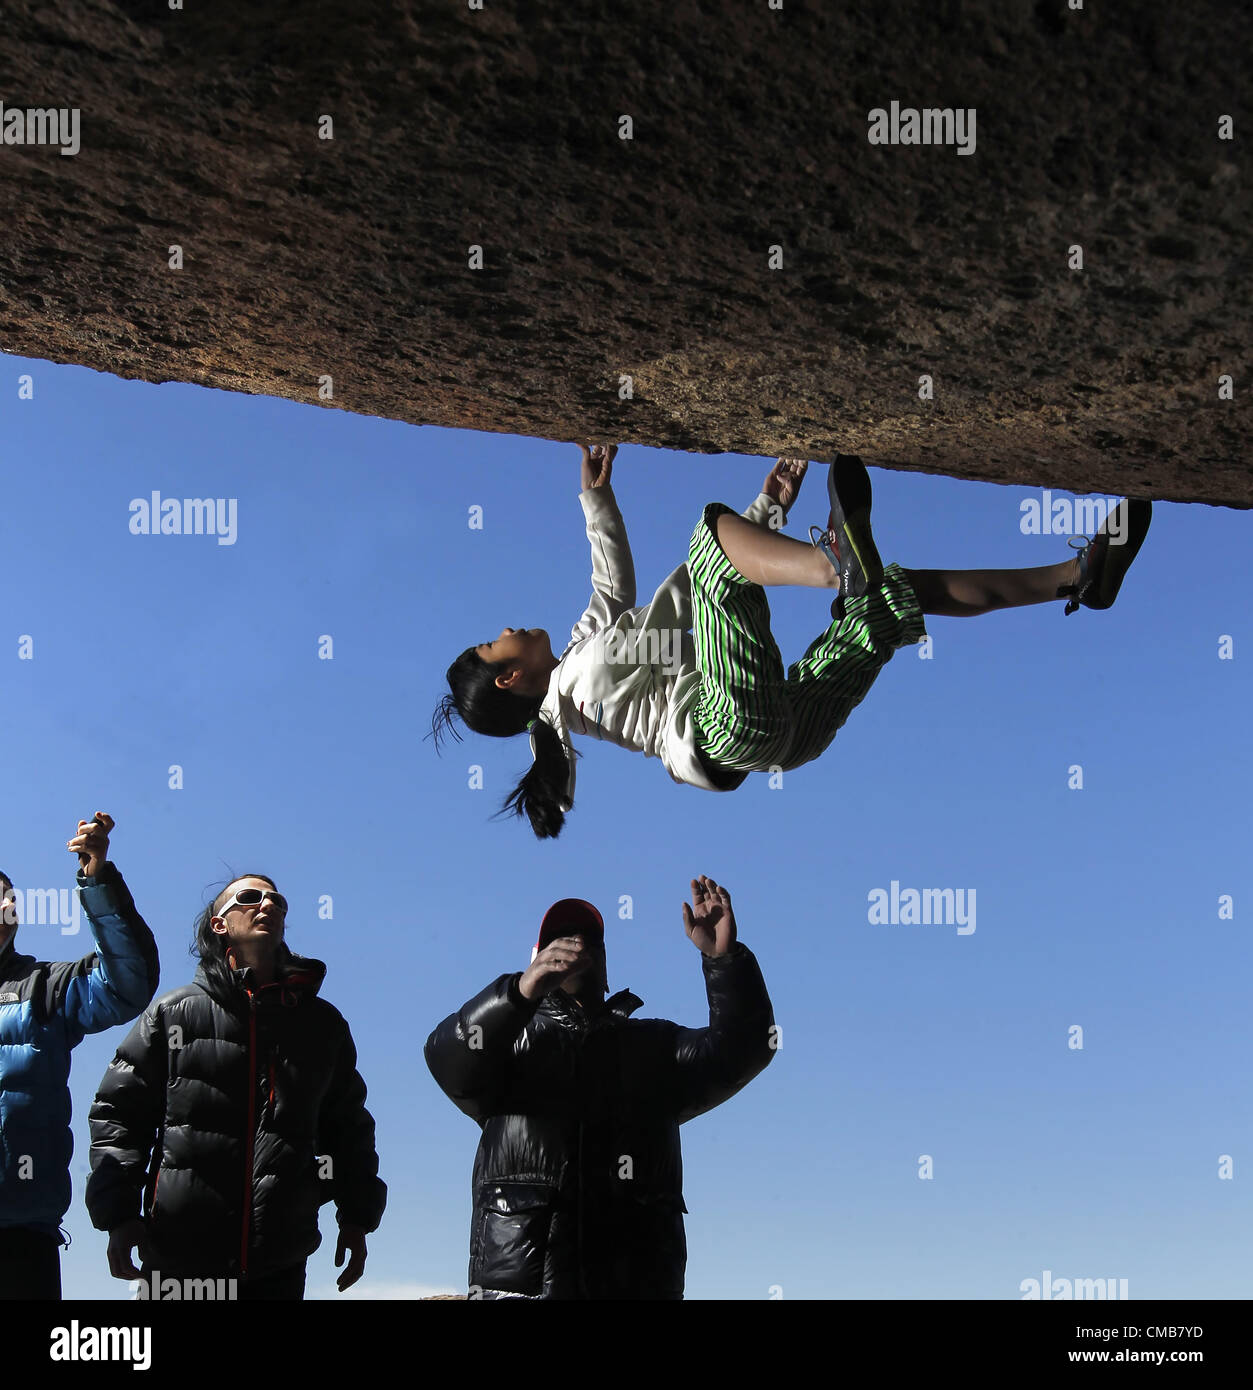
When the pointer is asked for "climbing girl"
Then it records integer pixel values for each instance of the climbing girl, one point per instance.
(695, 678)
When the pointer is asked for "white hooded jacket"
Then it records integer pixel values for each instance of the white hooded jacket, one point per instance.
(629, 675)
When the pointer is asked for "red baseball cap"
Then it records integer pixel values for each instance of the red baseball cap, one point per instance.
(569, 917)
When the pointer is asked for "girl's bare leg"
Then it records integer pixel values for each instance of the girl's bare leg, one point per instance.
(766, 557)
(967, 593)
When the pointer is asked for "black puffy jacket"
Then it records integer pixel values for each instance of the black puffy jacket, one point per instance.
(233, 1112)
(578, 1179)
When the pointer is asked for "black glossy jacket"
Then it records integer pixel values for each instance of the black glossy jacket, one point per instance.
(214, 1113)
(578, 1179)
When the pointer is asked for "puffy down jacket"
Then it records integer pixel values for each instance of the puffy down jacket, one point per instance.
(45, 1010)
(578, 1179)
(233, 1112)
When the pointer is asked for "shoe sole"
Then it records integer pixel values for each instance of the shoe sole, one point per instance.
(1118, 557)
(851, 494)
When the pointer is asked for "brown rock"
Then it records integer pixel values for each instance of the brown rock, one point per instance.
(647, 258)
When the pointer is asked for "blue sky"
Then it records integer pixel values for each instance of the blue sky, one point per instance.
(1096, 907)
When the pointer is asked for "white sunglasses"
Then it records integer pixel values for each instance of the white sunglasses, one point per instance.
(253, 897)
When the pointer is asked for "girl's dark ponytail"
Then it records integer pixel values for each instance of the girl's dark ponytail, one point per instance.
(540, 794)
(487, 709)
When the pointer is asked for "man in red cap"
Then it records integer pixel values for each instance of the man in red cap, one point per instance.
(578, 1179)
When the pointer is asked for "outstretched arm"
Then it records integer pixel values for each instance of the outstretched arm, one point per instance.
(117, 983)
(613, 570)
(714, 1063)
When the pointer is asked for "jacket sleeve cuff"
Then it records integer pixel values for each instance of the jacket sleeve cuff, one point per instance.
(108, 874)
(518, 999)
(345, 1216)
(737, 952)
(758, 511)
(599, 501)
(105, 894)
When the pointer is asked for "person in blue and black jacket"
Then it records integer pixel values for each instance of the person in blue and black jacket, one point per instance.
(46, 1009)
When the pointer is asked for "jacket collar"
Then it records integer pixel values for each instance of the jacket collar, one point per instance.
(297, 976)
(624, 1003)
(618, 1008)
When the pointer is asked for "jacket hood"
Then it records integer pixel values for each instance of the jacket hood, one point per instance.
(15, 963)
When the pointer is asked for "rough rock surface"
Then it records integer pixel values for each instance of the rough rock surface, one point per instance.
(648, 257)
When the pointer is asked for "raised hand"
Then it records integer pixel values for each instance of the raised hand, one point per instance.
(597, 464)
(783, 482)
(710, 922)
(91, 844)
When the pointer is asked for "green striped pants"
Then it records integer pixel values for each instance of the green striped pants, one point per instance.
(754, 718)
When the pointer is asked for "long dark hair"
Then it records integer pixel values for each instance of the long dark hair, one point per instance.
(485, 708)
(211, 947)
